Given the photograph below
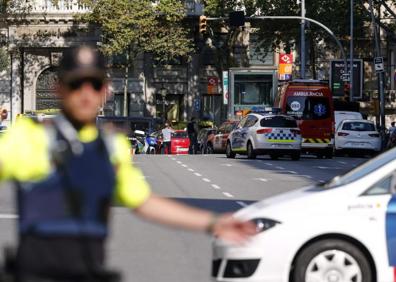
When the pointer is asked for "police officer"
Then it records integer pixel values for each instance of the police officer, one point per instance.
(69, 172)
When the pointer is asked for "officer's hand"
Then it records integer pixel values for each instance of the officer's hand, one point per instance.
(231, 229)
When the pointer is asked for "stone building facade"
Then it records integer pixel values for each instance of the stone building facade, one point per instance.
(175, 91)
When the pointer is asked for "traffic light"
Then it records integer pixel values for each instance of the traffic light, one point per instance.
(236, 18)
(202, 24)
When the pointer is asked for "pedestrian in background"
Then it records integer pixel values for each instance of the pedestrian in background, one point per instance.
(69, 173)
(391, 142)
(192, 131)
(392, 128)
(167, 138)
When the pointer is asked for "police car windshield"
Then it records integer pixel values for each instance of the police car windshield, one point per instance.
(278, 121)
(362, 170)
(308, 108)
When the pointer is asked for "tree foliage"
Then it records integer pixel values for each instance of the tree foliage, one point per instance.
(4, 59)
(141, 26)
(333, 13)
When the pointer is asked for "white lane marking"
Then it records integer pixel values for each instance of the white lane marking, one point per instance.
(190, 169)
(242, 204)
(197, 174)
(229, 165)
(228, 195)
(342, 162)
(268, 164)
(183, 165)
(179, 162)
(291, 171)
(206, 180)
(279, 167)
(8, 216)
(261, 179)
(322, 181)
(216, 186)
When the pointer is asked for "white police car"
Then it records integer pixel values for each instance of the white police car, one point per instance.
(259, 134)
(340, 231)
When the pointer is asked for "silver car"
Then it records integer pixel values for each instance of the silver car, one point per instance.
(265, 134)
(357, 136)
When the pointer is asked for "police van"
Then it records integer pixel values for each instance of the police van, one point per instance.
(264, 133)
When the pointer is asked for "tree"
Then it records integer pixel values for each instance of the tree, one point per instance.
(4, 59)
(10, 10)
(133, 27)
(332, 13)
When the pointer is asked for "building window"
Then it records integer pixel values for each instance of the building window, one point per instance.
(253, 89)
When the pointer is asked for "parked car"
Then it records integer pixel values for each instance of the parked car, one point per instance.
(343, 230)
(206, 140)
(180, 142)
(261, 134)
(357, 136)
(220, 138)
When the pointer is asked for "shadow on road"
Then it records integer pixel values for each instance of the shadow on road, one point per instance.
(308, 167)
(215, 205)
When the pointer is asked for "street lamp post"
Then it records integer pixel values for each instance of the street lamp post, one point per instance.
(163, 92)
(351, 56)
(380, 75)
(302, 39)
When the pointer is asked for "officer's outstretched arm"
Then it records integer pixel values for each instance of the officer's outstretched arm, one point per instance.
(169, 212)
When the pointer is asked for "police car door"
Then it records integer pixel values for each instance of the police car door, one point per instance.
(236, 138)
(391, 225)
(377, 207)
(247, 130)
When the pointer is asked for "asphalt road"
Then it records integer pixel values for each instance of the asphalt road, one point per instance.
(146, 252)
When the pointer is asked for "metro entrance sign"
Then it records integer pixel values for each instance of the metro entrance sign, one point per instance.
(338, 77)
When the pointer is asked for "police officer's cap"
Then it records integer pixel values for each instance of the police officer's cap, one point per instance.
(82, 62)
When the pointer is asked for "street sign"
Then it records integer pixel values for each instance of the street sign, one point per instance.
(285, 67)
(285, 58)
(337, 76)
(197, 104)
(379, 64)
(345, 77)
(225, 88)
(213, 81)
